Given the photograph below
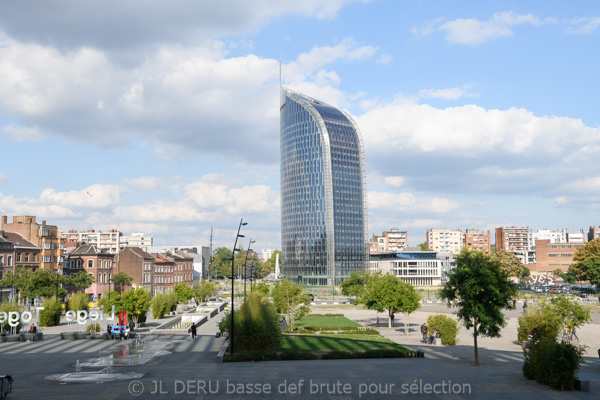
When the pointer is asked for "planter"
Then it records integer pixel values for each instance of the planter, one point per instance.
(2, 339)
(31, 337)
(67, 336)
(13, 338)
(83, 335)
(100, 336)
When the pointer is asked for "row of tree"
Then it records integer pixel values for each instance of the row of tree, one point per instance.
(221, 263)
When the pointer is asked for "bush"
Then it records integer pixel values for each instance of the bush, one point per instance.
(159, 306)
(78, 301)
(445, 326)
(50, 315)
(7, 307)
(95, 326)
(256, 355)
(256, 325)
(553, 364)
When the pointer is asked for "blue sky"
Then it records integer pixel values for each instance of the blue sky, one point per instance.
(162, 117)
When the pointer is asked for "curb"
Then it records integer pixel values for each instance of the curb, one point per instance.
(221, 354)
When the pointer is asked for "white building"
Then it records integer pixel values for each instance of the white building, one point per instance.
(110, 241)
(419, 268)
(445, 240)
(137, 239)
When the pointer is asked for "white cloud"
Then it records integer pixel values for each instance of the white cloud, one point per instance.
(394, 181)
(22, 134)
(471, 130)
(584, 26)
(473, 31)
(447, 94)
(407, 202)
(94, 196)
(147, 183)
(385, 59)
(3, 177)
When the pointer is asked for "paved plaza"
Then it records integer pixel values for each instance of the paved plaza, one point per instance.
(190, 369)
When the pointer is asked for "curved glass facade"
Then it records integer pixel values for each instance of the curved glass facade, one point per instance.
(323, 192)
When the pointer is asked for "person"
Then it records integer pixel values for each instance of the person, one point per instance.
(193, 329)
(131, 326)
(32, 329)
(525, 306)
(4, 332)
(432, 337)
(108, 330)
(392, 319)
(424, 332)
(515, 304)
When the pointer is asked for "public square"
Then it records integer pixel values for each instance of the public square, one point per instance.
(190, 369)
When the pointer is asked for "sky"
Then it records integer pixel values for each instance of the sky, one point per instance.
(163, 117)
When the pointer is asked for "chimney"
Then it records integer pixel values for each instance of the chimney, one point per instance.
(1, 234)
(4, 220)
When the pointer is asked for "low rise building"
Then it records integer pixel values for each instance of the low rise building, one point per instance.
(551, 256)
(419, 268)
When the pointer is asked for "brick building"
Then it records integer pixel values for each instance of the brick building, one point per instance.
(475, 239)
(98, 263)
(518, 241)
(138, 264)
(42, 235)
(593, 233)
(551, 256)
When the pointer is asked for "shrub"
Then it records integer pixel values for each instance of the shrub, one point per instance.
(256, 325)
(95, 326)
(553, 364)
(78, 301)
(445, 326)
(159, 306)
(50, 315)
(7, 307)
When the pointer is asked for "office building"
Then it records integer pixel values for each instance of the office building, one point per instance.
(323, 192)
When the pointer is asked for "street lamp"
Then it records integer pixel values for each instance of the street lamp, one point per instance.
(233, 277)
(246, 262)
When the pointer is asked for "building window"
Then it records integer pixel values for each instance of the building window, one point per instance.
(9, 261)
(26, 257)
(90, 264)
(18, 257)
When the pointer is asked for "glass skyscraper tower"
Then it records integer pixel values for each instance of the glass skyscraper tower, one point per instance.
(323, 192)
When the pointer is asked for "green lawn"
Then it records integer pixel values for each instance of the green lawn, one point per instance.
(338, 342)
(334, 322)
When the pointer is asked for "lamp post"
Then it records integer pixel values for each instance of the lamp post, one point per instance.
(245, 263)
(233, 277)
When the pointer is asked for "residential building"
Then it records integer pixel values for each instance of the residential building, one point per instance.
(16, 251)
(419, 268)
(518, 241)
(476, 240)
(555, 236)
(42, 235)
(138, 264)
(137, 239)
(323, 192)
(551, 256)
(445, 240)
(389, 241)
(266, 254)
(163, 273)
(593, 233)
(110, 241)
(98, 263)
(576, 237)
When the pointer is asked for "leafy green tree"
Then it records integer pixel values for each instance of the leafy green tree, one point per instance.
(388, 292)
(221, 264)
(109, 299)
(184, 292)
(268, 266)
(78, 301)
(480, 289)
(80, 280)
(204, 290)
(510, 264)
(137, 303)
(291, 300)
(263, 288)
(592, 269)
(424, 247)
(568, 277)
(38, 283)
(120, 280)
(586, 254)
(354, 285)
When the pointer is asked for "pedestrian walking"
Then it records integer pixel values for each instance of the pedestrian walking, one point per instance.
(515, 304)
(392, 318)
(193, 330)
(424, 332)
(525, 306)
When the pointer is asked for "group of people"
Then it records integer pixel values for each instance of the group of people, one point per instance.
(432, 335)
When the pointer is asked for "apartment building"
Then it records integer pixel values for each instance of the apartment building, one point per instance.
(163, 273)
(476, 240)
(593, 233)
(138, 264)
(445, 240)
(389, 241)
(42, 235)
(110, 241)
(98, 263)
(137, 239)
(518, 241)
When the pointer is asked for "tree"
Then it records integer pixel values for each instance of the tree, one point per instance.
(269, 265)
(354, 285)
(592, 269)
(81, 280)
(388, 292)
(206, 289)
(38, 283)
(510, 264)
(423, 246)
(290, 299)
(588, 253)
(184, 292)
(137, 303)
(568, 277)
(221, 264)
(481, 290)
(121, 280)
